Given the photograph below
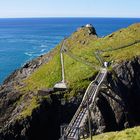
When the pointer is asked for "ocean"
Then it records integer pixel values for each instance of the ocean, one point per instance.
(23, 39)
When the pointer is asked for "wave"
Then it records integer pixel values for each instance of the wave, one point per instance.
(43, 50)
(35, 54)
(43, 46)
(28, 53)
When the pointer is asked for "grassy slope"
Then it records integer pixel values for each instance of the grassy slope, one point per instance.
(78, 74)
(128, 134)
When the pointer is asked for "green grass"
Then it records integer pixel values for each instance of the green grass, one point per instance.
(45, 76)
(128, 134)
(78, 74)
(32, 104)
(75, 72)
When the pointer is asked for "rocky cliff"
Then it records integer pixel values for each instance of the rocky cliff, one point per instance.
(26, 113)
(116, 107)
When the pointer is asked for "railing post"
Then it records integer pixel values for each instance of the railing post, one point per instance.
(89, 117)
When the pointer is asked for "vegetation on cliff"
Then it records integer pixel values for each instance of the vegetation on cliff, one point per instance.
(83, 43)
(128, 134)
(21, 102)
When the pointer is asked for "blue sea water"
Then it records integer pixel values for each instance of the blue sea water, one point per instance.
(24, 39)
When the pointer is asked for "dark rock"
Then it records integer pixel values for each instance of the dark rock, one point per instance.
(45, 92)
(117, 108)
(44, 123)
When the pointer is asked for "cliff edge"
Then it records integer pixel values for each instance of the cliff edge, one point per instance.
(31, 109)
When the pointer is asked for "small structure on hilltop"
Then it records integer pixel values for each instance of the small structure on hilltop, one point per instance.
(106, 64)
(89, 26)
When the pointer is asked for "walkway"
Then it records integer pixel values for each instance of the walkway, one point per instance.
(80, 117)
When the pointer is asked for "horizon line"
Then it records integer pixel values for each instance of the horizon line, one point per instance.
(64, 17)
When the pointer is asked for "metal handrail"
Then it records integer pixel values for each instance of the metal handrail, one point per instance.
(70, 126)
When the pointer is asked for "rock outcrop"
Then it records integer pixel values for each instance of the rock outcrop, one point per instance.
(116, 107)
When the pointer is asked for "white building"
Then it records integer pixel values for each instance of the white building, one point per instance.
(106, 64)
(89, 26)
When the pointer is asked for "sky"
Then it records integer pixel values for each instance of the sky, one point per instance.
(69, 8)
